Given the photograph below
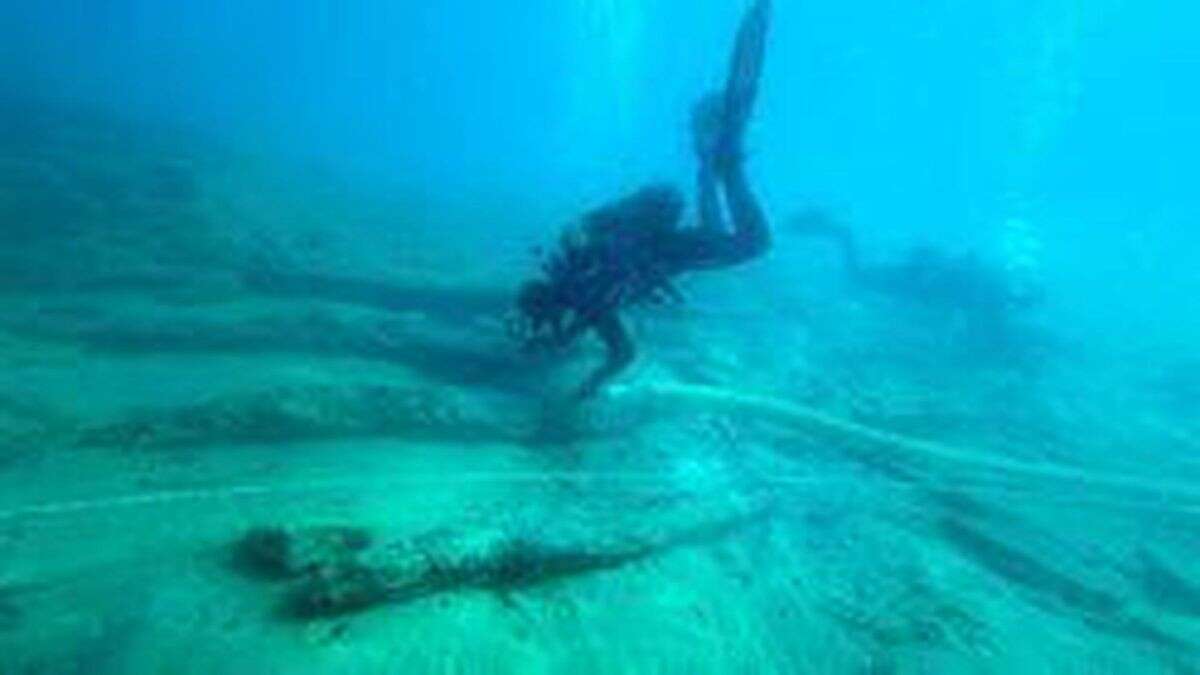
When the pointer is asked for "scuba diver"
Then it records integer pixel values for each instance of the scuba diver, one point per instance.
(628, 252)
(984, 294)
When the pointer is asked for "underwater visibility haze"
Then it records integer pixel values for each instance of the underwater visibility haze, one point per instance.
(599, 336)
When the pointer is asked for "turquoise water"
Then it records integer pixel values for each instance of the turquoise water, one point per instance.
(260, 413)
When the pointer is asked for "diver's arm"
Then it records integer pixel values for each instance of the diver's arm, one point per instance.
(620, 353)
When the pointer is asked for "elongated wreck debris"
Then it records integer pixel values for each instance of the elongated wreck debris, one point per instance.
(339, 570)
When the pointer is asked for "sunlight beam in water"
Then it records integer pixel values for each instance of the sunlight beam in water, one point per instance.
(614, 37)
(1045, 81)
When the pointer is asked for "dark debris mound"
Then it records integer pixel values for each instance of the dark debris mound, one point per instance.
(331, 571)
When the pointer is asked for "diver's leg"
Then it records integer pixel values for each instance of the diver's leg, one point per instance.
(711, 246)
(620, 354)
(711, 217)
(706, 248)
(719, 128)
(751, 236)
(708, 135)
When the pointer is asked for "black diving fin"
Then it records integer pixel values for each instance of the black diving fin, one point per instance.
(745, 67)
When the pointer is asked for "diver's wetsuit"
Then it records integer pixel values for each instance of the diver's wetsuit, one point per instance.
(628, 252)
